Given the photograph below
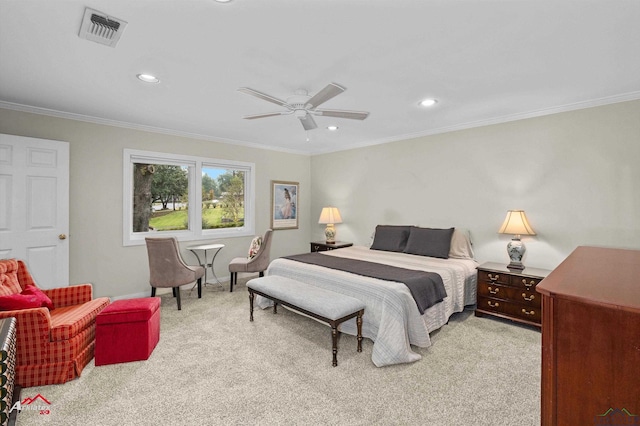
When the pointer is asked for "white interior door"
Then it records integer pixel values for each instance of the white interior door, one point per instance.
(34, 206)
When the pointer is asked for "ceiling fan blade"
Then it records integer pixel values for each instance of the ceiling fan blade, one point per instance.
(308, 122)
(264, 96)
(268, 114)
(355, 115)
(324, 95)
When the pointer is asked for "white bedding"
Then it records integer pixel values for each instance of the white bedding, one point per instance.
(391, 318)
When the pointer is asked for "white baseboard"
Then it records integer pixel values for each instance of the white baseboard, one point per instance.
(161, 291)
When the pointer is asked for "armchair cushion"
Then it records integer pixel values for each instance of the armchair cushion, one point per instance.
(69, 321)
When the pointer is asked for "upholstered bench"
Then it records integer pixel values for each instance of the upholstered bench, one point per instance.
(127, 330)
(324, 305)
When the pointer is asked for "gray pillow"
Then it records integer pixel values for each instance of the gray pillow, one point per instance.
(391, 238)
(429, 242)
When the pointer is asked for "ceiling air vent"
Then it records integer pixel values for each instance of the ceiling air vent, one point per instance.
(97, 26)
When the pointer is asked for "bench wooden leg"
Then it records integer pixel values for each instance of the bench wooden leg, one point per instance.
(334, 338)
(359, 323)
(251, 296)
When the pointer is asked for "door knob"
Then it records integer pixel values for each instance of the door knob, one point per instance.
(62, 237)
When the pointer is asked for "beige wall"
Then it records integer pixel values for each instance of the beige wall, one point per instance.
(95, 235)
(576, 175)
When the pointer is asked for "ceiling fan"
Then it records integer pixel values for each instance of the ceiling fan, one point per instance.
(304, 106)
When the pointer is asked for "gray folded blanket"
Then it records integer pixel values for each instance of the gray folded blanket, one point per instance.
(426, 288)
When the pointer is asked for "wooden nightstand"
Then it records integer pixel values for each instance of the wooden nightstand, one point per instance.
(510, 293)
(325, 246)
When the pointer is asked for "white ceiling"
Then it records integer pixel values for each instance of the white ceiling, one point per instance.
(485, 62)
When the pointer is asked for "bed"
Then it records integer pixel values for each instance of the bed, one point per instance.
(392, 319)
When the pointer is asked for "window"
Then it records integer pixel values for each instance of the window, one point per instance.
(161, 191)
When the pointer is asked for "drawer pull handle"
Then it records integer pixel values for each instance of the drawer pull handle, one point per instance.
(494, 304)
(532, 312)
(494, 290)
(528, 284)
(528, 299)
(494, 277)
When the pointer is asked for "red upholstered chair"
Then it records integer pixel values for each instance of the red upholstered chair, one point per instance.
(53, 343)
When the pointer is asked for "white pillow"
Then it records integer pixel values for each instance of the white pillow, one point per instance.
(461, 247)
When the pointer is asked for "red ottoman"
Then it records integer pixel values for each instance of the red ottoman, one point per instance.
(127, 330)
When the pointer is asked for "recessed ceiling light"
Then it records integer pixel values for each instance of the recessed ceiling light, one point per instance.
(428, 102)
(223, 1)
(332, 128)
(148, 78)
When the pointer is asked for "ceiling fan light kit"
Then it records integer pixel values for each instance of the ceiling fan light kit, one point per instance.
(304, 107)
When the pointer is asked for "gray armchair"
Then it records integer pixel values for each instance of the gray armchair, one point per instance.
(258, 263)
(167, 269)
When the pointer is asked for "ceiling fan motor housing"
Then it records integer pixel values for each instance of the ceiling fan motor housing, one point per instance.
(299, 100)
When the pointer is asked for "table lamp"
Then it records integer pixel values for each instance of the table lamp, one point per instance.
(516, 223)
(329, 216)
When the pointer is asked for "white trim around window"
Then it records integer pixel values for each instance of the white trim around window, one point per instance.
(195, 166)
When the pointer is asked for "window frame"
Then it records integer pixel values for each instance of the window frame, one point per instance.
(195, 165)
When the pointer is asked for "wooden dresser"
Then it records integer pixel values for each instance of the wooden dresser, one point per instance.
(591, 339)
(509, 293)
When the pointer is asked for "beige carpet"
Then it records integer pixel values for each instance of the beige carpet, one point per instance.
(214, 367)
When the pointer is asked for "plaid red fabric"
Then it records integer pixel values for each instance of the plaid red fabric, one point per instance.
(24, 277)
(9, 283)
(68, 321)
(70, 296)
(52, 346)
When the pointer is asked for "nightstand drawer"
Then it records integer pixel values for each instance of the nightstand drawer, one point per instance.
(493, 278)
(492, 305)
(512, 294)
(509, 293)
(510, 309)
(493, 290)
(526, 283)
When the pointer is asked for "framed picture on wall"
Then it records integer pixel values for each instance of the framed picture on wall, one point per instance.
(284, 204)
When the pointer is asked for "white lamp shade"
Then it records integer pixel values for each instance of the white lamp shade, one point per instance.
(330, 215)
(516, 223)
